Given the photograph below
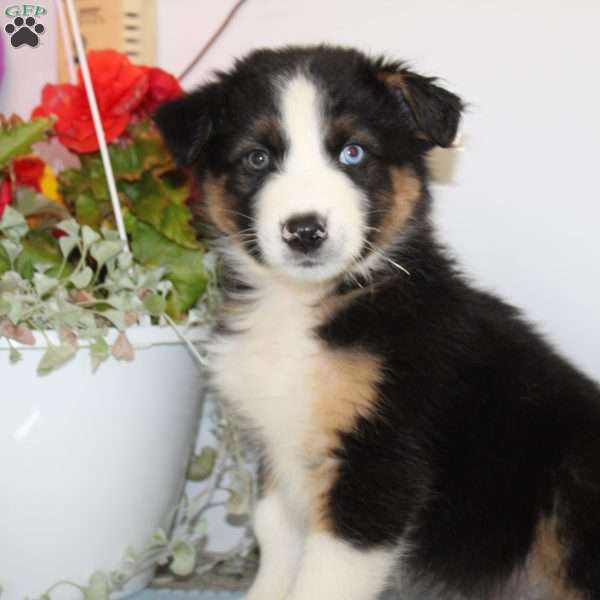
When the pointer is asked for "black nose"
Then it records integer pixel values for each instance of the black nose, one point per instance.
(304, 233)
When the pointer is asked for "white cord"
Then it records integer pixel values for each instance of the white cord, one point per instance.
(64, 32)
(91, 96)
(186, 340)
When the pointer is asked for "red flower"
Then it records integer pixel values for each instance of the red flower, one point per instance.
(119, 86)
(5, 195)
(29, 171)
(57, 233)
(162, 87)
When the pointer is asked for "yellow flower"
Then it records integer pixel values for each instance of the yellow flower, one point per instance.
(49, 185)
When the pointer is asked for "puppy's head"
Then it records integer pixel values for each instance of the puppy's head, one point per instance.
(311, 159)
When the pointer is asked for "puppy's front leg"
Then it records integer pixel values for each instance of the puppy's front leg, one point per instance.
(333, 569)
(280, 539)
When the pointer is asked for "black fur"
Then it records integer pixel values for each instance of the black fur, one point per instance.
(481, 428)
(487, 424)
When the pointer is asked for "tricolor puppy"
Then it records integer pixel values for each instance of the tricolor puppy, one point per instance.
(411, 424)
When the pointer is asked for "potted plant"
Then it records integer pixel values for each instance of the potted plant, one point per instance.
(101, 391)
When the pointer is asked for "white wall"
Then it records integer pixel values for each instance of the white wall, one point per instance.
(523, 212)
(26, 68)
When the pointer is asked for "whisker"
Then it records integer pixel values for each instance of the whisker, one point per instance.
(245, 232)
(240, 214)
(354, 279)
(377, 252)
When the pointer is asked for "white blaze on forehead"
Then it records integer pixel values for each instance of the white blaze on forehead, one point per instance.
(302, 122)
(309, 181)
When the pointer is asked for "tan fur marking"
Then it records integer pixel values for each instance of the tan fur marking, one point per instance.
(344, 125)
(394, 79)
(346, 390)
(338, 302)
(398, 81)
(547, 565)
(265, 130)
(346, 129)
(406, 191)
(266, 127)
(218, 204)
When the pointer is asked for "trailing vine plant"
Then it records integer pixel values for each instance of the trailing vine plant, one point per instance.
(66, 277)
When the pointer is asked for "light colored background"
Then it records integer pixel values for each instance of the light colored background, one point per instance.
(523, 210)
(27, 68)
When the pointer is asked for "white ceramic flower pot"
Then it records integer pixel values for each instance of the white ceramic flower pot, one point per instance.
(91, 464)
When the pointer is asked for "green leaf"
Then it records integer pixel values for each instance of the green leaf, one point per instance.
(131, 556)
(105, 250)
(159, 538)
(13, 224)
(177, 226)
(40, 249)
(110, 234)
(11, 218)
(10, 281)
(14, 356)
(184, 559)
(67, 244)
(125, 160)
(81, 279)
(186, 268)
(41, 268)
(99, 347)
(200, 529)
(118, 579)
(15, 312)
(54, 357)
(98, 588)
(44, 284)
(202, 465)
(85, 191)
(155, 304)
(116, 317)
(89, 236)
(99, 352)
(88, 211)
(12, 249)
(124, 261)
(145, 152)
(16, 139)
(70, 227)
(240, 492)
(91, 165)
(156, 203)
(4, 261)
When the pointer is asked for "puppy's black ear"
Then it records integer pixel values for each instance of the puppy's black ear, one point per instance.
(435, 111)
(187, 123)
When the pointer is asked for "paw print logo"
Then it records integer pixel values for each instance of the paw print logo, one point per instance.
(24, 31)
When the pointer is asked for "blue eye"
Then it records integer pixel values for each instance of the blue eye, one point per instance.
(352, 154)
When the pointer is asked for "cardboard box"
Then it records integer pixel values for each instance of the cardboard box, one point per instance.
(125, 25)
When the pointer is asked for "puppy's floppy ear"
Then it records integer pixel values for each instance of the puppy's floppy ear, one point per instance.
(435, 111)
(186, 123)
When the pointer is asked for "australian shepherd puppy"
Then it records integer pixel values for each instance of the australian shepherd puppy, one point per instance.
(411, 424)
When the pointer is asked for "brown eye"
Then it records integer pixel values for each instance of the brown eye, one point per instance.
(258, 160)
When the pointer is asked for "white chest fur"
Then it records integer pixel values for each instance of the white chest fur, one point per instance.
(268, 370)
